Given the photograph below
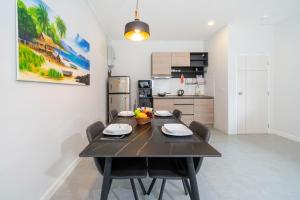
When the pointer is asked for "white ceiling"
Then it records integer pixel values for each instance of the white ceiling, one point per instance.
(187, 19)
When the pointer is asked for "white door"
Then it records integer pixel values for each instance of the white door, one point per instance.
(252, 98)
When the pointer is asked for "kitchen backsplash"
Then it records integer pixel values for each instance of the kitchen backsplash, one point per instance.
(173, 85)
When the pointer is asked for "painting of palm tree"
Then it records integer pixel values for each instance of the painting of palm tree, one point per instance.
(61, 27)
(42, 17)
(48, 49)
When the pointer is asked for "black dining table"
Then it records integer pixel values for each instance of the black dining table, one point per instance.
(148, 141)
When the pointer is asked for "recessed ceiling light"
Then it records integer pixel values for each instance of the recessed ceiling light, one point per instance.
(211, 23)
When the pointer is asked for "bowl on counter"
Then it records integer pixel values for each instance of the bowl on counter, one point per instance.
(162, 94)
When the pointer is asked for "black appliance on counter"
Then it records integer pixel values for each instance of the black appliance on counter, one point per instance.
(145, 93)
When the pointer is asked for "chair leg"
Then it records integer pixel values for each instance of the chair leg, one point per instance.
(151, 186)
(188, 188)
(142, 186)
(106, 179)
(184, 187)
(162, 189)
(134, 189)
(110, 182)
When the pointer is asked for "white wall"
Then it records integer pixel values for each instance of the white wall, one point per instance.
(134, 58)
(217, 76)
(240, 37)
(245, 37)
(42, 126)
(173, 85)
(286, 81)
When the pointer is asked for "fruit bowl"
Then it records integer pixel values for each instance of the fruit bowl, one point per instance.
(143, 121)
(143, 115)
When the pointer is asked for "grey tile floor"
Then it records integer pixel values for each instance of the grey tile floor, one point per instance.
(253, 167)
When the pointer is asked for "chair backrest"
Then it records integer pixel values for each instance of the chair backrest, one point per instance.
(112, 114)
(204, 133)
(92, 132)
(177, 114)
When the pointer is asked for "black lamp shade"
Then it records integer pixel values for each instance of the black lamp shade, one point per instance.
(137, 31)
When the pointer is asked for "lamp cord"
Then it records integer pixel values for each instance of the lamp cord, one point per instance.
(137, 10)
(137, 5)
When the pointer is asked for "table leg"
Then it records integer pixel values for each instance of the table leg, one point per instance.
(192, 177)
(106, 179)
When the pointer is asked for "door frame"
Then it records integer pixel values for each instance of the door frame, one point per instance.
(268, 88)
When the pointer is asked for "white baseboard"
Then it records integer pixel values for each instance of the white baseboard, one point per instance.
(285, 135)
(60, 180)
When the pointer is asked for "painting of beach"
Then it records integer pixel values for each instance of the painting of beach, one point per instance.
(48, 49)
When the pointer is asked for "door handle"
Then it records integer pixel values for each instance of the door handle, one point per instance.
(240, 93)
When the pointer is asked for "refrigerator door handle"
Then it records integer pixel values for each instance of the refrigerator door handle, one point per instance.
(111, 100)
(125, 104)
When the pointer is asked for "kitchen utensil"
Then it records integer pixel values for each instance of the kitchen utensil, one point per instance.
(113, 137)
(182, 79)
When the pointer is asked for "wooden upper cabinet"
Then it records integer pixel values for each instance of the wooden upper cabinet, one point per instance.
(181, 59)
(161, 64)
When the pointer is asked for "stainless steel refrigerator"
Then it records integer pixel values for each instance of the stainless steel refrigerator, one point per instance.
(118, 93)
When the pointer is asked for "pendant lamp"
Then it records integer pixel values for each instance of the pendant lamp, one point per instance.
(137, 30)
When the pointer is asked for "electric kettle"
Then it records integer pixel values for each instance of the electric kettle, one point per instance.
(180, 92)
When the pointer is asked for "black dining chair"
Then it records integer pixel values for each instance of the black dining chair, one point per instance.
(122, 168)
(176, 168)
(177, 114)
(113, 114)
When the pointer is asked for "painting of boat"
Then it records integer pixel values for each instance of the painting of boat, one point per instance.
(67, 73)
(48, 49)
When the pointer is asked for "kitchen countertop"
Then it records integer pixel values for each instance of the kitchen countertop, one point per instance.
(183, 97)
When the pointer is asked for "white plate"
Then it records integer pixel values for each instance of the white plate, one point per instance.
(117, 129)
(126, 114)
(176, 127)
(186, 133)
(163, 113)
